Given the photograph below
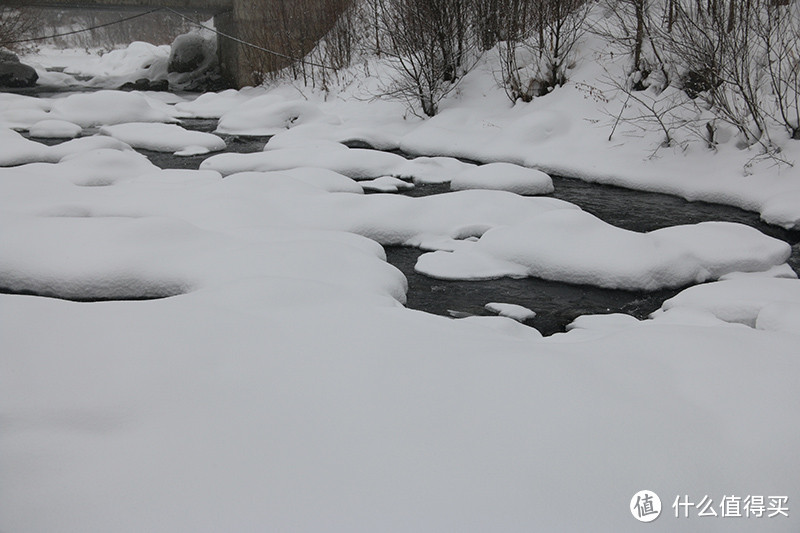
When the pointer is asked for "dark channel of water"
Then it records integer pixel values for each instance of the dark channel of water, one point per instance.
(556, 304)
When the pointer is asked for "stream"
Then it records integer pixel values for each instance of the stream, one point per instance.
(556, 304)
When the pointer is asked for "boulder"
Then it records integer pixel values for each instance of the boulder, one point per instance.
(193, 63)
(15, 74)
(144, 84)
(189, 52)
(7, 56)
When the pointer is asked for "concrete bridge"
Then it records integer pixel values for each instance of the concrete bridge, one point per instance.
(277, 25)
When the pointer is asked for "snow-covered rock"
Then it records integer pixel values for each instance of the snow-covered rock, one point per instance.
(107, 107)
(188, 52)
(386, 184)
(164, 138)
(576, 247)
(55, 129)
(517, 312)
(354, 163)
(504, 177)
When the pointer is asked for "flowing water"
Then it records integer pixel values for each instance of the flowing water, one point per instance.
(555, 303)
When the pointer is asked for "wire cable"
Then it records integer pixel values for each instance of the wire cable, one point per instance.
(45, 37)
(251, 45)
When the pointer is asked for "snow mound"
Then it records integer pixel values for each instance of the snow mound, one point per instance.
(152, 257)
(576, 247)
(514, 311)
(297, 180)
(354, 163)
(781, 316)
(504, 177)
(505, 325)
(323, 178)
(55, 129)
(118, 258)
(602, 323)
(742, 300)
(164, 138)
(386, 184)
(272, 119)
(433, 169)
(17, 150)
(106, 108)
(139, 60)
(213, 105)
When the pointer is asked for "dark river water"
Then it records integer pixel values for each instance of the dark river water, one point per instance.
(555, 303)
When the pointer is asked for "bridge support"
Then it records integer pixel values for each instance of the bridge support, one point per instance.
(250, 21)
(228, 51)
(282, 26)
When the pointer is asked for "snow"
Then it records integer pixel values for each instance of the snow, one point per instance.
(741, 300)
(386, 184)
(517, 312)
(276, 381)
(354, 163)
(164, 138)
(19, 150)
(504, 177)
(320, 178)
(271, 119)
(577, 247)
(55, 129)
(107, 107)
(214, 105)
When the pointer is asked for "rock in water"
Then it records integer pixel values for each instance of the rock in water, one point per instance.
(189, 52)
(7, 56)
(15, 74)
(193, 64)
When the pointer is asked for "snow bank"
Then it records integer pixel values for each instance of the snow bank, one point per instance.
(214, 105)
(576, 247)
(164, 138)
(504, 177)
(272, 119)
(742, 300)
(179, 400)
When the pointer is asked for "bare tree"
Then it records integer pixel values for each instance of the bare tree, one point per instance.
(15, 24)
(629, 25)
(430, 45)
(779, 32)
(285, 32)
(541, 36)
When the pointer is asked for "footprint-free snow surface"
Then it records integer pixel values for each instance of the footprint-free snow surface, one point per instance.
(247, 363)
